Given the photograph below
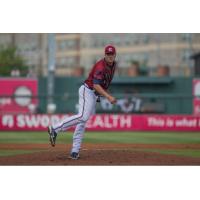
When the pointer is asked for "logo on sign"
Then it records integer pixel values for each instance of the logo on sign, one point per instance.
(23, 96)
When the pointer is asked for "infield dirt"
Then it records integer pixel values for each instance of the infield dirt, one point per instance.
(98, 154)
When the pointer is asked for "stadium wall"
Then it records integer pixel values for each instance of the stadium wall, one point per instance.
(164, 95)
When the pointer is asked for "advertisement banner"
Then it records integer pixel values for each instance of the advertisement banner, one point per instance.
(196, 87)
(196, 106)
(196, 96)
(104, 122)
(16, 95)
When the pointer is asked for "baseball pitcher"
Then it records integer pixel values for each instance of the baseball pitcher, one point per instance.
(94, 86)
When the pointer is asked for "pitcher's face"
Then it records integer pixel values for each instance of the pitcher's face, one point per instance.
(110, 58)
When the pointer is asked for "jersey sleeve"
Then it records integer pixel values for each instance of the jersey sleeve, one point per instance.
(98, 75)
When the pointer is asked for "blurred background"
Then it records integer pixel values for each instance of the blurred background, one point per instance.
(157, 72)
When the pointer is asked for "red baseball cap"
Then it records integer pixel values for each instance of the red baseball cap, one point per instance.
(110, 49)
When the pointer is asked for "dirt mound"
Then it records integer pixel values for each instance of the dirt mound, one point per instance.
(98, 154)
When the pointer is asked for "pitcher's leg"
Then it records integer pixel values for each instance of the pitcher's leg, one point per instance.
(77, 137)
(80, 129)
(75, 119)
(68, 122)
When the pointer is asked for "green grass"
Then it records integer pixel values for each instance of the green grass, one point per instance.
(107, 137)
(16, 152)
(143, 137)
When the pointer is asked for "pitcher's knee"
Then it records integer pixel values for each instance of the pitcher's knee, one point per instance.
(84, 118)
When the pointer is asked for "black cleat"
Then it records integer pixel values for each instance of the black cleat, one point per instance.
(52, 136)
(74, 156)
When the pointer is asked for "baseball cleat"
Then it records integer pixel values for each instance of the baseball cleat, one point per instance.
(74, 156)
(52, 136)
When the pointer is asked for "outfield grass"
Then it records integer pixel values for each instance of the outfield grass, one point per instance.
(107, 137)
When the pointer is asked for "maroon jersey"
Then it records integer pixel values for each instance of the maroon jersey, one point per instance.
(101, 74)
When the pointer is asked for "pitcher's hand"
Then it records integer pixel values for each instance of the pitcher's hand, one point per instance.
(112, 100)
